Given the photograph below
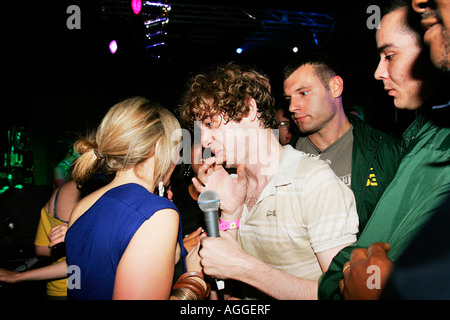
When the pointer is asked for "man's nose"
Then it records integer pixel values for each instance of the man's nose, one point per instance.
(206, 138)
(381, 71)
(294, 105)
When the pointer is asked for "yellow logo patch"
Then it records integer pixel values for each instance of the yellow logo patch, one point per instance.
(372, 180)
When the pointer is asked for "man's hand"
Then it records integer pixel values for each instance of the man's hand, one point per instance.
(222, 257)
(372, 263)
(232, 192)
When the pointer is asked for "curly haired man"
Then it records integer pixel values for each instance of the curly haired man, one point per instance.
(293, 213)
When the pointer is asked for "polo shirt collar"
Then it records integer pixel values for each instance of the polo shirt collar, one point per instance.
(284, 173)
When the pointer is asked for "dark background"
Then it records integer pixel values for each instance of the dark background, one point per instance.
(60, 82)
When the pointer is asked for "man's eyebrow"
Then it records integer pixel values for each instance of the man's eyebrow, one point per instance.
(385, 47)
(201, 118)
(306, 86)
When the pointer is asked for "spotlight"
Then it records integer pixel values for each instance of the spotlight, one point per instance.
(295, 49)
(316, 41)
(136, 5)
(113, 46)
(239, 50)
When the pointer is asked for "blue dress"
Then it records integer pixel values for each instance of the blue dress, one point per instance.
(97, 240)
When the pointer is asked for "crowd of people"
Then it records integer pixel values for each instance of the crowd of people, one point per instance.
(324, 207)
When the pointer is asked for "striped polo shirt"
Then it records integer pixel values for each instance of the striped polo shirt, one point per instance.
(304, 209)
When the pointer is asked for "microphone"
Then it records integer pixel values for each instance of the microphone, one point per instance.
(209, 202)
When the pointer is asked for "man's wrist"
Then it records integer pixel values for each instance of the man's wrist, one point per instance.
(232, 216)
(228, 225)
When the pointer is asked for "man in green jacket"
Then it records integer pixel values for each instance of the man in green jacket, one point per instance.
(364, 158)
(422, 181)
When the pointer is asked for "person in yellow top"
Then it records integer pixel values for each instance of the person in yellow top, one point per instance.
(55, 212)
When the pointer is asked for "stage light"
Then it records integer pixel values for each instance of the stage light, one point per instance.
(158, 33)
(295, 49)
(113, 46)
(155, 18)
(239, 50)
(316, 41)
(155, 8)
(136, 5)
(155, 45)
(160, 21)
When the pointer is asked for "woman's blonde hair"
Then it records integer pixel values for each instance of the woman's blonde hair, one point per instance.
(131, 132)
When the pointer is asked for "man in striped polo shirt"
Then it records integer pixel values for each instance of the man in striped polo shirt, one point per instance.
(293, 212)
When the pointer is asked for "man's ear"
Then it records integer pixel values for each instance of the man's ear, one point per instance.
(336, 86)
(253, 110)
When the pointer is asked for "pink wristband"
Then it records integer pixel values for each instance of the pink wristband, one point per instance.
(228, 225)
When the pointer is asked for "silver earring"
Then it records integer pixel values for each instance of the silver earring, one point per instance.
(161, 189)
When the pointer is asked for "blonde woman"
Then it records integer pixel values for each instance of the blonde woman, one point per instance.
(123, 239)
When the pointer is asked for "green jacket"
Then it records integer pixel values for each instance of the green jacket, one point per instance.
(375, 160)
(421, 184)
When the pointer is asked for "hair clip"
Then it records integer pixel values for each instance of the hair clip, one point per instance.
(98, 154)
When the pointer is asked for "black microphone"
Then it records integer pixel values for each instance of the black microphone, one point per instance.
(209, 202)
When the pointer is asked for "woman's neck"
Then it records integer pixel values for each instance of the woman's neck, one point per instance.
(129, 176)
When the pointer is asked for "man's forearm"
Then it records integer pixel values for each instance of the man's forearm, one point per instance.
(275, 283)
(234, 216)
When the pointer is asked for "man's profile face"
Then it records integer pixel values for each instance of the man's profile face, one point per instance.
(227, 140)
(399, 66)
(436, 22)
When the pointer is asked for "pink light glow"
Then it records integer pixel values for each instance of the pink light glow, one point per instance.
(113, 46)
(136, 5)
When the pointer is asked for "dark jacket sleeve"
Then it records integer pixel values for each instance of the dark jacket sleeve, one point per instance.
(375, 159)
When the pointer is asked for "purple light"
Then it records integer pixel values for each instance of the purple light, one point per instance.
(155, 45)
(136, 5)
(113, 46)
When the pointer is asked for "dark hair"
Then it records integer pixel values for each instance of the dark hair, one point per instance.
(324, 65)
(412, 21)
(226, 90)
